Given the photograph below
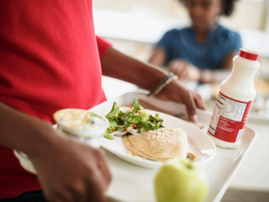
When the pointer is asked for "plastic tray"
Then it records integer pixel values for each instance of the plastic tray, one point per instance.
(135, 184)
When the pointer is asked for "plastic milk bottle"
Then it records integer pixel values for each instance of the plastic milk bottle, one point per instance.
(234, 101)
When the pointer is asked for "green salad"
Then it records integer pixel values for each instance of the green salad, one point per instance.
(134, 121)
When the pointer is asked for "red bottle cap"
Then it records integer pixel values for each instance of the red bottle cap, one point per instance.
(250, 55)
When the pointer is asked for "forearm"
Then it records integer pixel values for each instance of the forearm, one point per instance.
(118, 65)
(20, 131)
(59, 160)
(158, 57)
(216, 76)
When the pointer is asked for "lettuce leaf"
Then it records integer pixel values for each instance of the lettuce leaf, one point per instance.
(137, 118)
(114, 111)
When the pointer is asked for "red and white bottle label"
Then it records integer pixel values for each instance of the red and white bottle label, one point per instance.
(229, 118)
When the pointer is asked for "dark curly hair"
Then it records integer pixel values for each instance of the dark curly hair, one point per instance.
(228, 6)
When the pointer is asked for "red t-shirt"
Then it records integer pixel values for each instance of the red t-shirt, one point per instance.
(49, 60)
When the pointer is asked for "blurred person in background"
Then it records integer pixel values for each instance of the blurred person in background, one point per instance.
(204, 51)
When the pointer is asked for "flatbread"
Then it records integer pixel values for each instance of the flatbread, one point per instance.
(159, 145)
(135, 152)
(131, 148)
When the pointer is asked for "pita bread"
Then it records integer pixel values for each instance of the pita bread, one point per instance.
(158, 145)
(135, 152)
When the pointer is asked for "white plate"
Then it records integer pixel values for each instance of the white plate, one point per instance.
(199, 142)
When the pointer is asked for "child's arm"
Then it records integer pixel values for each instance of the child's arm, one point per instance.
(158, 57)
(216, 76)
(187, 71)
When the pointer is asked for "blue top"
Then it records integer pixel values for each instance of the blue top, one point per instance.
(182, 44)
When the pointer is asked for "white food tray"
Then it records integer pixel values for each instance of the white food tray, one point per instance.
(135, 184)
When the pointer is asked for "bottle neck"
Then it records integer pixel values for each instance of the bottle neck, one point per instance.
(240, 83)
(243, 75)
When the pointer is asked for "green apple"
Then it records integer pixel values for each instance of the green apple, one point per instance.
(180, 180)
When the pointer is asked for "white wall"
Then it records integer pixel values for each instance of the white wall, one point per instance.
(248, 13)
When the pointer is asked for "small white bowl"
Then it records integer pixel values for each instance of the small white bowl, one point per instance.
(91, 135)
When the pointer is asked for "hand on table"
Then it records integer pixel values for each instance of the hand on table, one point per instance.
(184, 70)
(70, 170)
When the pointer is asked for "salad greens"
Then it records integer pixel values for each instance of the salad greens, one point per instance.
(135, 119)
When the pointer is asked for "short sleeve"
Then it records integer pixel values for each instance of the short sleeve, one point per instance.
(165, 42)
(103, 45)
(236, 42)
